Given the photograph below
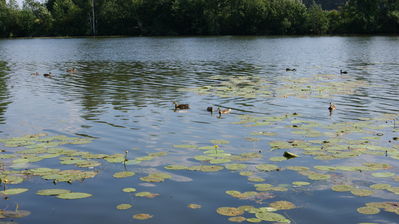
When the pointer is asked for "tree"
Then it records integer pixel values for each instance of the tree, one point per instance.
(317, 20)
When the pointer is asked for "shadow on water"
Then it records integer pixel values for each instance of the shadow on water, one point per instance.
(4, 93)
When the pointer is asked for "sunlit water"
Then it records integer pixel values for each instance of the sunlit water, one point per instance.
(122, 97)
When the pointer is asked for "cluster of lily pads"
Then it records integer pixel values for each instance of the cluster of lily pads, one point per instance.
(317, 86)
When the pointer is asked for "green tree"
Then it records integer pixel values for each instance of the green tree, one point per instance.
(317, 20)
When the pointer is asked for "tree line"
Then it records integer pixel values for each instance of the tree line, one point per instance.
(195, 17)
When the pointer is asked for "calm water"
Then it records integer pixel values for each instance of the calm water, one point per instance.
(122, 97)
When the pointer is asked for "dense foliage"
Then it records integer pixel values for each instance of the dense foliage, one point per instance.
(195, 17)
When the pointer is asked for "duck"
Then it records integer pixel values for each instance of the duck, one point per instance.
(210, 109)
(47, 75)
(224, 111)
(181, 106)
(72, 70)
(343, 72)
(290, 69)
(332, 107)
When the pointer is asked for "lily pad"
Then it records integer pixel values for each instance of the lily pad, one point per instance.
(229, 211)
(266, 167)
(51, 192)
(368, 210)
(342, 188)
(142, 216)
(129, 189)
(237, 219)
(362, 192)
(282, 205)
(271, 217)
(14, 191)
(74, 195)
(383, 174)
(123, 206)
(123, 174)
(146, 194)
(194, 206)
(235, 166)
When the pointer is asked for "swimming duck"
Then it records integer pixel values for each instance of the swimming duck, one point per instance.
(332, 107)
(290, 69)
(343, 72)
(47, 75)
(224, 111)
(210, 109)
(181, 106)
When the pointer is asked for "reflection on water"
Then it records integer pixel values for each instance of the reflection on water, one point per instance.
(122, 94)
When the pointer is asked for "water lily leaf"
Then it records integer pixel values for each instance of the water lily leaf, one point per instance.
(380, 186)
(14, 191)
(266, 167)
(256, 179)
(383, 174)
(194, 206)
(277, 158)
(229, 211)
(123, 174)
(146, 194)
(129, 189)
(282, 205)
(207, 168)
(237, 219)
(342, 188)
(74, 195)
(52, 192)
(271, 217)
(218, 161)
(123, 206)
(362, 192)
(235, 166)
(300, 183)
(13, 214)
(176, 167)
(142, 216)
(254, 220)
(368, 210)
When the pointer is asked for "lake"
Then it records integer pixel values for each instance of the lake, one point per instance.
(108, 138)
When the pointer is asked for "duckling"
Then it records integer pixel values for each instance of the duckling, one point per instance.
(224, 111)
(210, 109)
(35, 73)
(181, 106)
(47, 75)
(71, 70)
(332, 107)
(343, 72)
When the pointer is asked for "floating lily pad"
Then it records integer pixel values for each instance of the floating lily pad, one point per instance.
(271, 217)
(194, 206)
(123, 206)
(362, 192)
(14, 191)
(342, 188)
(51, 192)
(13, 214)
(380, 186)
(256, 179)
(229, 211)
(123, 174)
(220, 141)
(282, 205)
(368, 210)
(176, 167)
(237, 219)
(129, 189)
(383, 174)
(277, 158)
(185, 146)
(142, 216)
(146, 194)
(300, 183)
(235, 166)
(254, 220)
(74, 195)
(266, 167)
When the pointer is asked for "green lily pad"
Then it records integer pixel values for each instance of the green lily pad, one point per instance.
(254, 220)
(142, 216)
(176, 167)
(129, 189)
(229, 211)
(74, 195)
(380, 186)
(219, 141)
(266, 167)
(51, 192)
(300, 183)
(123, 174)
(235, 166)
(383, 174)
(194, 206)
(123, 206)
(362, 192)
(342, 188)
(278, 159)
(368, 210)
(282, 205)
(14, 191)
(271, 217)
(237, 219)
(146, 194)
(185, 146)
